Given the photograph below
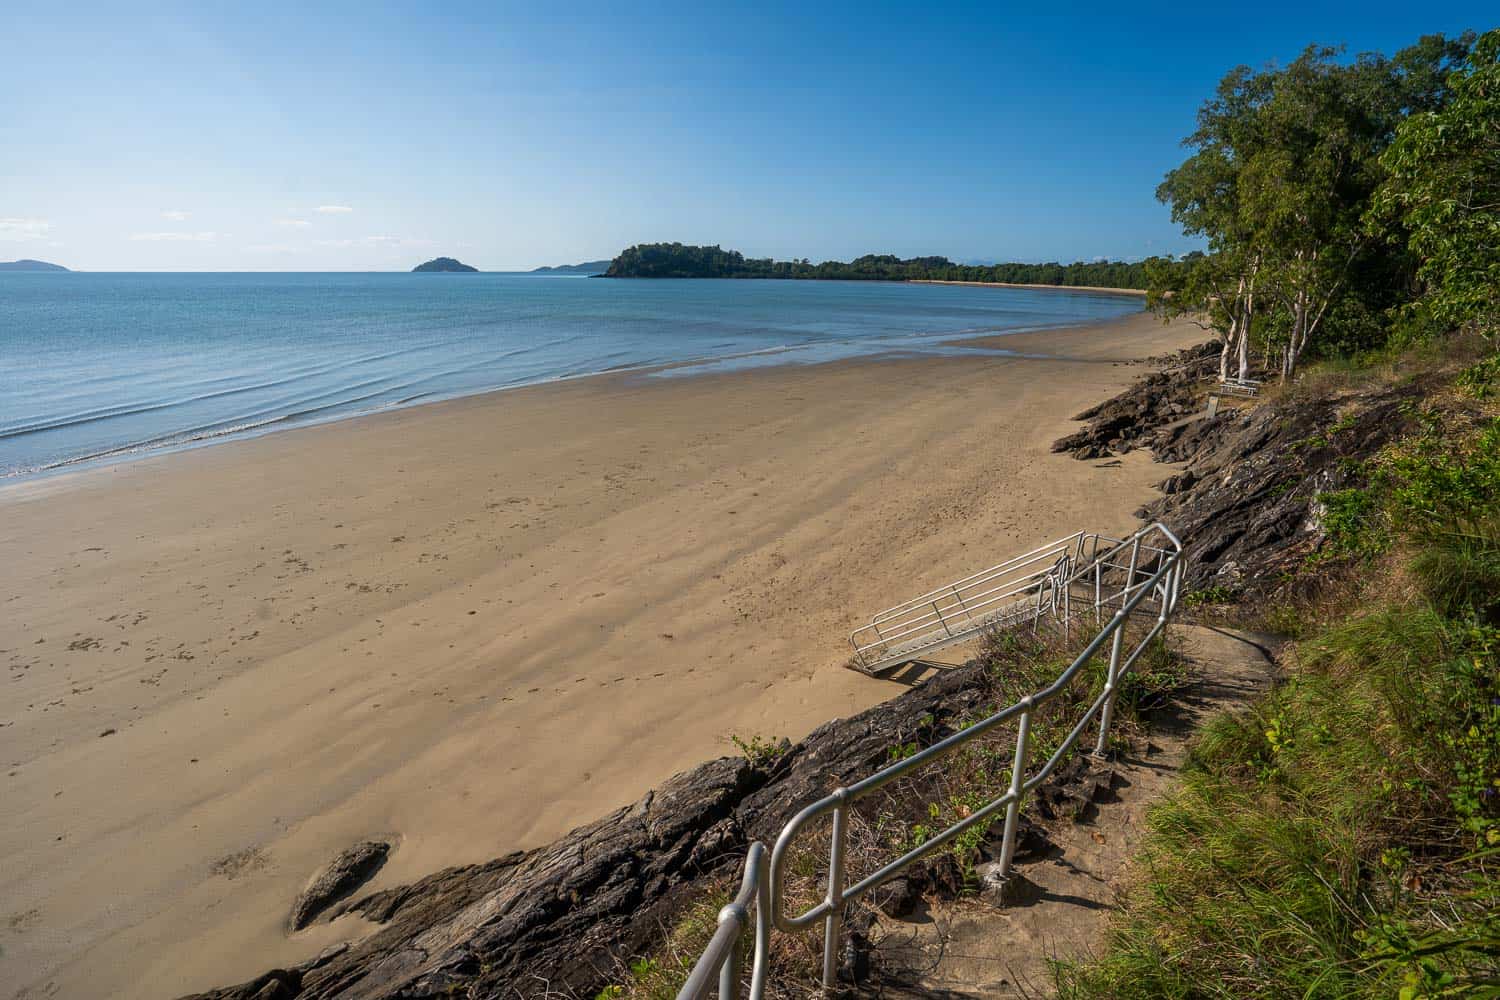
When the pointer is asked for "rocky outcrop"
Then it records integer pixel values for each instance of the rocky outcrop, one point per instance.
(346, 873)
(1132, 419)
(1246, 502)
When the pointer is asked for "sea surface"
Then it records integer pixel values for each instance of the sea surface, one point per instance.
(104, 367)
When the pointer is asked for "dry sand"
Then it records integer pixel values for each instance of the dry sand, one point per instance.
(474, 625)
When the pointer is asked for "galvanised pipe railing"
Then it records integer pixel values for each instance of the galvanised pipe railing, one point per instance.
(1029, 587)
(767, 886)
(721, 959)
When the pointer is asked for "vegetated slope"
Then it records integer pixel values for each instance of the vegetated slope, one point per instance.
(677, 260)
(1340, 839)
(588, 267)
(440, 265)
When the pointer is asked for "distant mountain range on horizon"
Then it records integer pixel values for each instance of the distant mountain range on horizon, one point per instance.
(30, 265)
(587, 267)
(452, 266)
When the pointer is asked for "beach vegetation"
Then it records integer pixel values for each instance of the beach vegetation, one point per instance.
(1335, 195)
(1341, 836)
(761, 751)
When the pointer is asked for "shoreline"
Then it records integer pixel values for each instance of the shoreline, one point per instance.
(472, 625)
(1095, 289)
(135, 453)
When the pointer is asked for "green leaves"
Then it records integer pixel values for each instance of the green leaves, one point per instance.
(1444, 190)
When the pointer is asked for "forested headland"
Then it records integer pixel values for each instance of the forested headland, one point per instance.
(677, 260)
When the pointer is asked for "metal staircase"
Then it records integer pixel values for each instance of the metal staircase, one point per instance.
(1084, 572)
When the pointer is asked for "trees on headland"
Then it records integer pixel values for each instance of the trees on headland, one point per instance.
(676, 260)
(1442, 190)
(1320, 188)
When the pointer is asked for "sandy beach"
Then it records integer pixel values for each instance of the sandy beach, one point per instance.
(1138, 292)
(473, 625)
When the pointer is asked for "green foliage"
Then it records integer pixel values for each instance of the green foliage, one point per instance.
(1347, 520)
(676, 260)
(660, 976)
(1443, 190)
(1285, 166)
(1481, 378)
(760, 751)
(1210, 595)
(1428, 485)
(1460, 568)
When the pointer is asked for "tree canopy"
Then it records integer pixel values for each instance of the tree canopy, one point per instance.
(1287, 164)
(676, 260)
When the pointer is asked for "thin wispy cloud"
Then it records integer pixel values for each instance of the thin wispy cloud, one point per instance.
(293, 223)
(175, 215)
(377, 241)
(397, 241)
(15, 230)
(207, 237)
(274, 248)
(333, 209)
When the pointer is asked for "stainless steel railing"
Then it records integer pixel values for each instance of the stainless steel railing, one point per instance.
(1037, 585)
(1157, 590)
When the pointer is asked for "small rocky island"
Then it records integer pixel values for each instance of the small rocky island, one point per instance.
(444, 264)
(29, 265)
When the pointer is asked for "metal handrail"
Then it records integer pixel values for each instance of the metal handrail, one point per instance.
(1164, 584)
(721, 959)
(1029, 585)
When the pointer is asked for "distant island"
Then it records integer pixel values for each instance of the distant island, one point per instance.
(676, 260)
(591, 267)
(30, 265)
(444, 264)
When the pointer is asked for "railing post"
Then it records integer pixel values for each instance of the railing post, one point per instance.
(729, 972)
(941, 620)
(1107, 713)
(1017, 781)
(960, 599)
(761, 963)
(1135, 554)
(1098, 586)
(835, 898)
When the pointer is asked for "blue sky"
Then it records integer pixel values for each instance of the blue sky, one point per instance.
(371, 137)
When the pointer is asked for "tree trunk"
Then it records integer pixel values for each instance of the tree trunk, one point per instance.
(1248, 324)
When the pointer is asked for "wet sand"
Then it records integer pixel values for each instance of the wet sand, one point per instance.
(473, 625)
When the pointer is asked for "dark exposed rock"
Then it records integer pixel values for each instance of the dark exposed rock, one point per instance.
(347, 872)
(1131, 419)
(1246, 504)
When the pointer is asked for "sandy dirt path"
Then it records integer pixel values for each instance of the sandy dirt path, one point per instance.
(473, 625)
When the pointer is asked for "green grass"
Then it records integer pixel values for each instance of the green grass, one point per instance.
(1342, 837)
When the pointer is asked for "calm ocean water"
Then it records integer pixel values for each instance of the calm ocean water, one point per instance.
(99, 367)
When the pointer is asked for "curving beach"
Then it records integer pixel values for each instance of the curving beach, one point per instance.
(475, 624)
